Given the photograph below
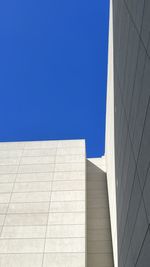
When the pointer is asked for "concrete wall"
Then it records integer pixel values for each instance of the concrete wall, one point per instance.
(42, 204)
(132, 129)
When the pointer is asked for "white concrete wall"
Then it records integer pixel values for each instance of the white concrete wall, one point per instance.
(110, 141)
(42, 204)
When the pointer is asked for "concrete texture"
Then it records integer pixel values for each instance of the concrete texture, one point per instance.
(54, 207)
(42, 204)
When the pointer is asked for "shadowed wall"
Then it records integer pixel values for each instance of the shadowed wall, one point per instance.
(99, 244)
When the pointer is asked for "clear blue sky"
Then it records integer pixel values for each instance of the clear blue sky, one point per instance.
(53, 63)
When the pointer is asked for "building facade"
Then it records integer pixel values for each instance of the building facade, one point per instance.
(54, 208)
(128, 131)
(42, 204)
(58, 208)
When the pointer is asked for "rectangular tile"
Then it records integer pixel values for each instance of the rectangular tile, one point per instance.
(68, 195)
(2, 218)
(69, 167)
(70, 151)
(67, 218)
(7, 178)
(6, 187)
(68, 185)
(10, 154)
(4, 198)
(69, 158)
(11, 145)
(26, 219)
(30, 168)
(23, 232)
(64, 260)
(4, 169)
(31, 197)
(72, 143)
(23, 260)
(34, 177)
(41, 144)
(9, 161)
(62, 176)
(72, 206)
(37, 160)
(65, 245)
(32, 186)
(39, 152)
(3, 208)
(39, 207)
(57, 231)
(21, 245)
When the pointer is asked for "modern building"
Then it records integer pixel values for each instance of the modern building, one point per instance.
(128, 131)
(58, 208)
(53, 206)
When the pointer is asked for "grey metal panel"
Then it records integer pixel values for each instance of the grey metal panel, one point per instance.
(132, 129)
(139, 232)
(144, 256)
(146, 24)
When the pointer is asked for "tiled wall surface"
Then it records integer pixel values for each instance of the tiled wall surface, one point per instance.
(132, 129)
(99, 245)
(42, 204)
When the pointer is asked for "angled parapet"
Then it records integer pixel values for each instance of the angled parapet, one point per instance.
(110, 140)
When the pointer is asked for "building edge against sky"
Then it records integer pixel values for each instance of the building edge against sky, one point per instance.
(110, 140)
(126, 147)
(128, 131)
(109, 146)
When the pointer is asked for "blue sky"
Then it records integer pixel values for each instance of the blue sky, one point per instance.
(53, 64)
